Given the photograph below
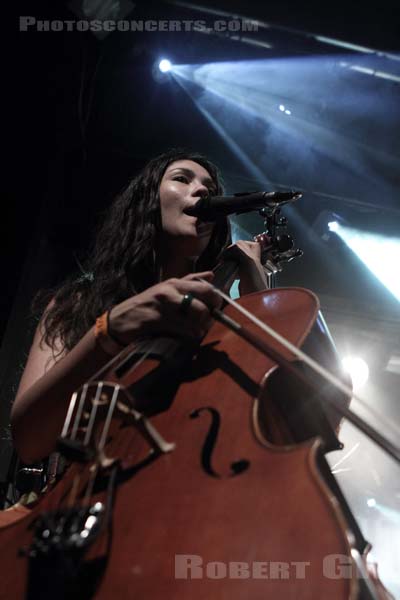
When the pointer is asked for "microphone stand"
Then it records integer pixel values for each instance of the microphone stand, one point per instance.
(277, 246)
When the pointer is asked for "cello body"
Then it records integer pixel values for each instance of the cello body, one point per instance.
(239, 503)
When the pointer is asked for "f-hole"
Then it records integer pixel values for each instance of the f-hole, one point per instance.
(236, 467)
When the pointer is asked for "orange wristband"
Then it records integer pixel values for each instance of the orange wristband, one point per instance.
(102, 335)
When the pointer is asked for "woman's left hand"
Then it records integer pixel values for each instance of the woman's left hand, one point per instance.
(251, 272)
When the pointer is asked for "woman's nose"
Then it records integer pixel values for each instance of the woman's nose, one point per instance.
(200, 190)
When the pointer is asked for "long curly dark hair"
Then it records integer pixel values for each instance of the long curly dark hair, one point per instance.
(124, 260)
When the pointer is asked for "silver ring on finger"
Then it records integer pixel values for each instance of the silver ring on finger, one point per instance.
(185, 303)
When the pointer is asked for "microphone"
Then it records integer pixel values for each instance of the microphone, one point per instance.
(211, 208)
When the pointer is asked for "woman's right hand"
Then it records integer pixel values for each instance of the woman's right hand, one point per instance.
(159, 309)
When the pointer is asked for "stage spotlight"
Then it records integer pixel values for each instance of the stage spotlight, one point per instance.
(333, 226)
(164, 65)
(357, 369)
(381, 254)
(328, 225)
(162, 70)
(371, 502)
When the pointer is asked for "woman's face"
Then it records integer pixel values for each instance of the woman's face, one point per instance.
(183, 184)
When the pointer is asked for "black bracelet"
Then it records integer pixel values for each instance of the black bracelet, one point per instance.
(111, 334)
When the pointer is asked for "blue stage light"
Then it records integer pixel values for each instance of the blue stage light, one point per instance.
(164, 65)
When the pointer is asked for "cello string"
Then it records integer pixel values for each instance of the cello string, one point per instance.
(134, 347)
(327, 375)
(79, 411)
(93, 412)
(70, 411)
(95, 467)
(110, 413)
(101, 444)
(90, 484)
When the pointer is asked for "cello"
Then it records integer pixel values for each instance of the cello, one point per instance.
(199, 470)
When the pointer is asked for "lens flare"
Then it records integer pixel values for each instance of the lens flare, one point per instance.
(357, 369)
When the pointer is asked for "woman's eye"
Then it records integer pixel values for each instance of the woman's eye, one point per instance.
(181, 178)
